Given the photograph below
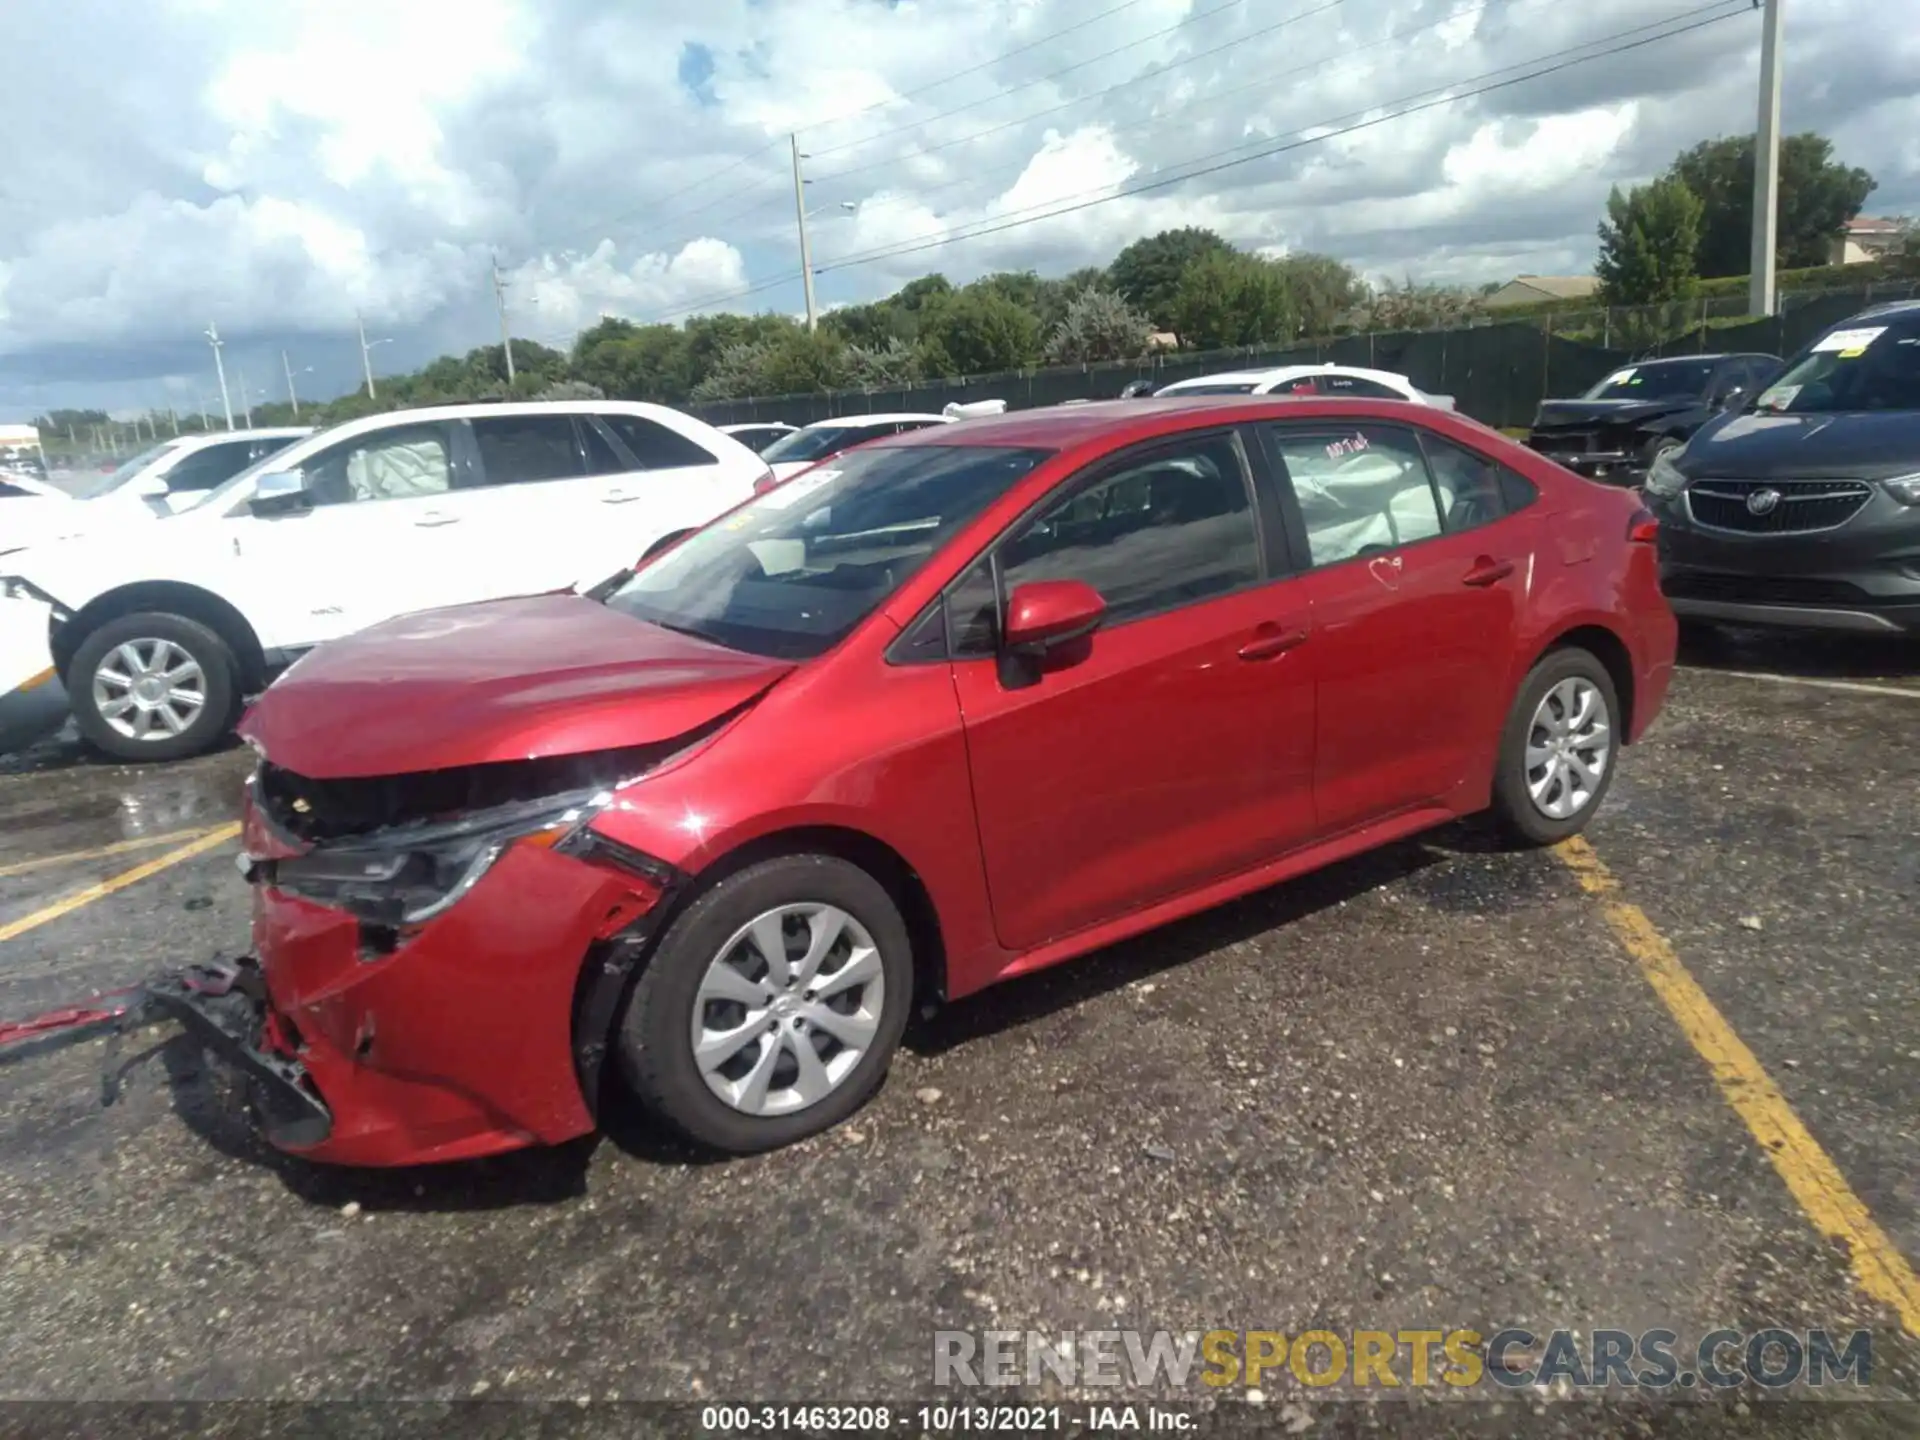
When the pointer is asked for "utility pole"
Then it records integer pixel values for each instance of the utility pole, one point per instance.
(366, 355)
(500, 300)
(292, 394)
(245, 408)
(213, 339)
(1766, 165)
(806, 252)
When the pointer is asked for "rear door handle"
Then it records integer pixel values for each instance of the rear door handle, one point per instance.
(1271, 641)
(617, 497)
(1487, 571)
(435, 517)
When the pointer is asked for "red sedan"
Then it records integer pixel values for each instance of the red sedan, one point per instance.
(960, 705)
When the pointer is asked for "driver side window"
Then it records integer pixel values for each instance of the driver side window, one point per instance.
(399, 464)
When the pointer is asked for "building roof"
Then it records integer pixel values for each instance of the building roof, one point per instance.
(1564, 287)
(1871, 225)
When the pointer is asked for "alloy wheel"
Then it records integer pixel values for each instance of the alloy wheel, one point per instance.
(149, 689)
(1569, 743)
(787, 1008)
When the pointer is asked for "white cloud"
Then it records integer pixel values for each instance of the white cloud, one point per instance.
(278, 167)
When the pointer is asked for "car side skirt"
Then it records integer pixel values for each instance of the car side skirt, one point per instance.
(1298, 862)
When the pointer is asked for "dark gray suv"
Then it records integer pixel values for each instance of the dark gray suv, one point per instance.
(1802, 508)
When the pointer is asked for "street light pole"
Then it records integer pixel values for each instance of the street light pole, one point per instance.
(246, 409)
(366, 355)
(806, 252)
(293, 396)
(1766, 165)
(500, 300)
(220, 368)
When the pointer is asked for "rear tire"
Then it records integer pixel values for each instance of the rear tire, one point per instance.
(1558, 750)
(153, 686)
(709, 977)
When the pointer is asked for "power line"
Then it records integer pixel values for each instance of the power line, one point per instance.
(1211, 98)
(764, 181)
(1043, 79)
(974, 69)
(1219, 164)
(1264, 81)
(1061, 207)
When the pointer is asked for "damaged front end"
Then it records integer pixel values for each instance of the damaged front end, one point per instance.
(451, 947)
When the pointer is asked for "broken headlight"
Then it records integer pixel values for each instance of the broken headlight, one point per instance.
(408, 874)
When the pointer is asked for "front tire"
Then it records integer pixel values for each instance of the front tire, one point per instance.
(1558, 750)
(153, 686)
(772, 1006)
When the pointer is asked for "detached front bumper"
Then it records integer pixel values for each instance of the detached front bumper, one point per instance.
(229, 1015)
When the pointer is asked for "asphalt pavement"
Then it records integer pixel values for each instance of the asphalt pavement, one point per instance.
(1443, 1085)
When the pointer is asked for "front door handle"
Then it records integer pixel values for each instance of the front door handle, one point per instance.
(1487, 571)
(435, 517)
(618, 497)
(1271, 641)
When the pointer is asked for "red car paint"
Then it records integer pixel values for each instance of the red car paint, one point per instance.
(501, 680)
(1166, 765)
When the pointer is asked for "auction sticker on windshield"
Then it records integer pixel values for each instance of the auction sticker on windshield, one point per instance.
(1620, 377)
(1849, 342)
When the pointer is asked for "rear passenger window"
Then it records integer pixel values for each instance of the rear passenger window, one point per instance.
(655, 447)
(1473, 489)
(1164, 531)
(1353, 385)
(1362, 490)
(519, 449)
(602, 458)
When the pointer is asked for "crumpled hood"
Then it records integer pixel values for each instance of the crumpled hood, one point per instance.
(504, 680)
(1585, 414)
(1754, 445)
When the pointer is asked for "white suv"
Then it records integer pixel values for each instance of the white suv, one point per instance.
(159, 633)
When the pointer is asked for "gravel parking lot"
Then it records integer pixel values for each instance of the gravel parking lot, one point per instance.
(1438, 1086)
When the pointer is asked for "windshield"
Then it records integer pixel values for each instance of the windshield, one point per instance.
(791, 573)
(1673, 380)
(107, 484)
(1222, 387)
(1863, 367)
(818, 441)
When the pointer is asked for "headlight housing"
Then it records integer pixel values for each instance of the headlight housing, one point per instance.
(1905, 489)
(1665, 478)
(408, 874)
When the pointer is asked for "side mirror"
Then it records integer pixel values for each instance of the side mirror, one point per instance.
(1733, 397)
(1045, 615)
(279, 492)
(154, 487)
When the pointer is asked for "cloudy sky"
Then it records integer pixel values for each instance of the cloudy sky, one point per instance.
(275, 168)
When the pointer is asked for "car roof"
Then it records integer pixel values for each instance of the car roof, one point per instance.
(1885, 310)
(1287, 372)
(844, 421)
(1069, 427)
(224, 437)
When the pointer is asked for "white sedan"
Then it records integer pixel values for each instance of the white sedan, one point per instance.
(1309, 380)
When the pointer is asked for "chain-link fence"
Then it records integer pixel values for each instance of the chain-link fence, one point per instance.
(1497, 370)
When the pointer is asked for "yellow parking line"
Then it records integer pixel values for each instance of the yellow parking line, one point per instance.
(119, 847)
(1812, 1177)
(125, 878)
